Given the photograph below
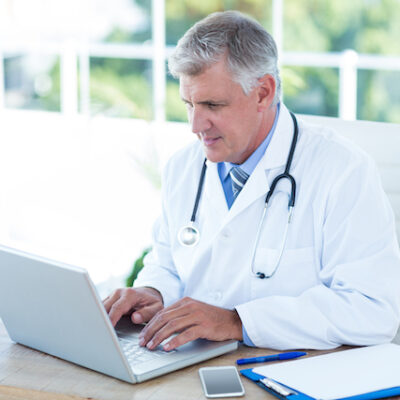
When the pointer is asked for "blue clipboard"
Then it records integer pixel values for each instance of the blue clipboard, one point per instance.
(284, 392)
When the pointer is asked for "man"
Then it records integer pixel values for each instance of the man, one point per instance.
(328, 275)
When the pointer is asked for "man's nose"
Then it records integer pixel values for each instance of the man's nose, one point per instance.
(199, 121)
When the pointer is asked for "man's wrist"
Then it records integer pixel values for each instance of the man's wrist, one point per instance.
(237, 323)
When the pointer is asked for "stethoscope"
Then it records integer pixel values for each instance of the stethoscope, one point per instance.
(189, 235)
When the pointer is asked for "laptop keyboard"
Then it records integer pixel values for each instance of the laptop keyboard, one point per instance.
(134, 353)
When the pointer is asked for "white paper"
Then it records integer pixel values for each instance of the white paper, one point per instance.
(340, 374)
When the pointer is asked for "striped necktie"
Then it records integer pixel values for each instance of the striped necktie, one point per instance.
(239, 178)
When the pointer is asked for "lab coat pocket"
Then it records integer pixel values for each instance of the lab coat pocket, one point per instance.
(300, 255)
(266, 260)
(290, 273)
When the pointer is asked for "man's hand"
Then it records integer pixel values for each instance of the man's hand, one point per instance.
(191, 319)
(143, 303)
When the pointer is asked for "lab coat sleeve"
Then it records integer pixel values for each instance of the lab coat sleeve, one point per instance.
(358, 299)
(159, 270)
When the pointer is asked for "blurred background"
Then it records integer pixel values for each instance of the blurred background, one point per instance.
(88, 113)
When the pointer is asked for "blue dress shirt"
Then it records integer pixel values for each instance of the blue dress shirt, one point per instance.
(248, 166)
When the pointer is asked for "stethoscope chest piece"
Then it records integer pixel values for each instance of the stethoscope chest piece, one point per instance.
(188, 235)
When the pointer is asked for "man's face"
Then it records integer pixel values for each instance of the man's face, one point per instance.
(229, 123)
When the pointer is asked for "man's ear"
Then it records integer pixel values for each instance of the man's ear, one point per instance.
(265, 92)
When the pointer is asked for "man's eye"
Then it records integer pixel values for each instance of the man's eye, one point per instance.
(212, 106)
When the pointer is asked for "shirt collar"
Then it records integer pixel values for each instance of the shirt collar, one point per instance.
(249, 165)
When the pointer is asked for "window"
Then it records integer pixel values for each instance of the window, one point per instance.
(123, 45)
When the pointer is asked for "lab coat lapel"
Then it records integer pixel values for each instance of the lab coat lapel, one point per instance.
(214, 196)
(275, 157)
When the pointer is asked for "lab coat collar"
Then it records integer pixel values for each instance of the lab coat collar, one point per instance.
(278, 150)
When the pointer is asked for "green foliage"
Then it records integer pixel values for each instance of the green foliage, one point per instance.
(51, 101)
(367, 26)
(379, 99)
(311, 90)
(135, 35)
(175, 108)
(182, 14)
(123, 88)
(137, 267)
(27, 95)
(120, 88)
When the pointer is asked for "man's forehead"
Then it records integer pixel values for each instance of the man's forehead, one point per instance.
(199, 95)
(205, 87)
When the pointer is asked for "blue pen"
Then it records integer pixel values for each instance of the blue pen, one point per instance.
(274, 357)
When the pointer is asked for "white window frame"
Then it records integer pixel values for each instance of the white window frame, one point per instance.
(348, 62)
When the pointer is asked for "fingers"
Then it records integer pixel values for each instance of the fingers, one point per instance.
(175, 325)
(191, 319)
(118, 305)
(178, 317)
(145, 314)
(109, 301)
(161, 318)
(186, 336)
(146, 302)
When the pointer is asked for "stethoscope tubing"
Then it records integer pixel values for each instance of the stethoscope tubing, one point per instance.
(199, 190)
(285, 175)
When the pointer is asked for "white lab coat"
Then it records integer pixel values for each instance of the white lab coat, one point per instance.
(338, 281)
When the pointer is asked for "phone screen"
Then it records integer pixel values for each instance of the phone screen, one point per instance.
(221, 381)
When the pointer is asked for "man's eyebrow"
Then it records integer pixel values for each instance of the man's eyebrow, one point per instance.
(219, 102)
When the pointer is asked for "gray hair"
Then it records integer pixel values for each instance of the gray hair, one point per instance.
(250, 50)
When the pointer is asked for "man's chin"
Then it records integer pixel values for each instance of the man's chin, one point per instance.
(213, 157)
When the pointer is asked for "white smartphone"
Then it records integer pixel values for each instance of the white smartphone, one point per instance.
(221, 382)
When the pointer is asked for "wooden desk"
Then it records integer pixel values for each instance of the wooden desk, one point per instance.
(22, 368)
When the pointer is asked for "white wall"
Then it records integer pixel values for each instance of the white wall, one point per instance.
(71, 188)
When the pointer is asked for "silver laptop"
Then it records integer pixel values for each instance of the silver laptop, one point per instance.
(55, 308)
